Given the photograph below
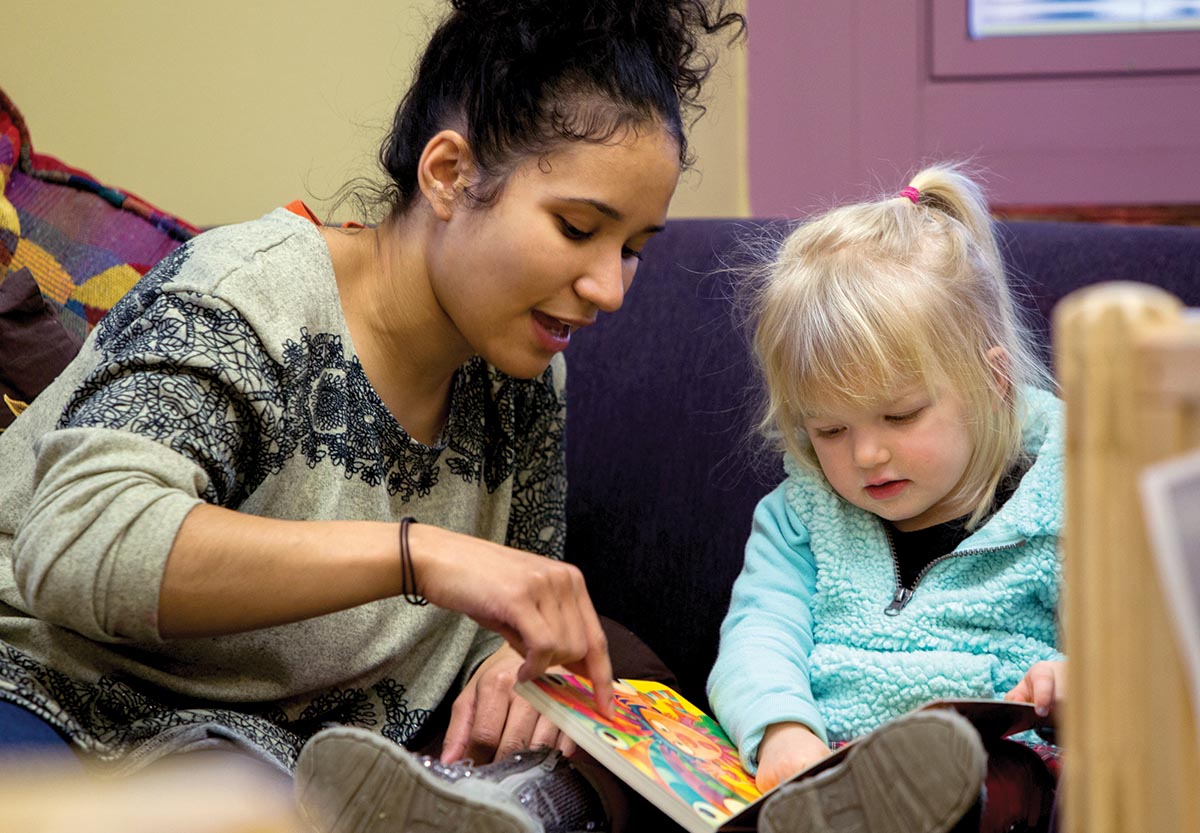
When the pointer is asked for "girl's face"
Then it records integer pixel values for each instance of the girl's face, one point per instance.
(560, 244)
(900, 459)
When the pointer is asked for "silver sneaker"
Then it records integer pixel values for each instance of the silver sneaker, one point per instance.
(550, 788)
(349, 780)
(919, 773)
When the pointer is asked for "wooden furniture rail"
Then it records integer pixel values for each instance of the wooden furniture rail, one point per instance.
(1128, 358)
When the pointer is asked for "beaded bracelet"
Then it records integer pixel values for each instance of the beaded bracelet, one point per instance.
(408, 580)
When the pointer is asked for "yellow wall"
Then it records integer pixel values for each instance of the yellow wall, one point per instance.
(222, 109)
(719, 186)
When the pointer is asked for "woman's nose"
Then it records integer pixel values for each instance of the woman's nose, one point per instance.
(604, 284)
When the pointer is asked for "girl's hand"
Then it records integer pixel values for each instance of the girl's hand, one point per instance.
(1044, 685)
(786, 748)
(489, 722)
(540, 606)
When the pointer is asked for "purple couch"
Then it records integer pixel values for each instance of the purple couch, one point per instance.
(664, 471)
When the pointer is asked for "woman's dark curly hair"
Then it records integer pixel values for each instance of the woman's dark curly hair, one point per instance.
(518, 76)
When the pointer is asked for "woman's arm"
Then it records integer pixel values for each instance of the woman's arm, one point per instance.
(231, 572)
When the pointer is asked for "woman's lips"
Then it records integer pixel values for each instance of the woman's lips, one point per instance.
(883, 491)
(552, 334)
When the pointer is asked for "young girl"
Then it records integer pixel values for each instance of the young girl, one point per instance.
(911, 551)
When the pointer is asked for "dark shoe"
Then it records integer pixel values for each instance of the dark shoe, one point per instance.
(350, 780)
(917, 774)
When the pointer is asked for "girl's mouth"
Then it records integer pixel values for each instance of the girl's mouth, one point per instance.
(889, 489)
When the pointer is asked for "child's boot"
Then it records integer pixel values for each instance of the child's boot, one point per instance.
(349, 780)
(920, 773)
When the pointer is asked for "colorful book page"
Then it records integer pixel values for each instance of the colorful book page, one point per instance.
(667, 739)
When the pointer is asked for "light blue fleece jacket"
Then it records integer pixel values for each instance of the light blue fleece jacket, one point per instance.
(807, 638)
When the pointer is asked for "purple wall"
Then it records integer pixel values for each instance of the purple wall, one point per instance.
(846, 96)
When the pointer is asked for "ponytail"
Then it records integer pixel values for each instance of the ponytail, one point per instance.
(948, 189)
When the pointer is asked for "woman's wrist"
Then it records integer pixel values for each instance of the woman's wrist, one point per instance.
(424, 541)
(408, 579)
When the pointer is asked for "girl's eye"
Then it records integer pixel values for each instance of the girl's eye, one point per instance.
(908, 416)
(826, 433)
(627, 253)
(572, 232)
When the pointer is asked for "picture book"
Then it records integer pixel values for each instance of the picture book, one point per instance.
(1170, 495)
(679, 759)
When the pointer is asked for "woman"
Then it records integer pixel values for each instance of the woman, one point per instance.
(220, 527)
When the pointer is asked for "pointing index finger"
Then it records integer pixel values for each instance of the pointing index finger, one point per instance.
(599, 669)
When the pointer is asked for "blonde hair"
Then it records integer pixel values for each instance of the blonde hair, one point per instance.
(869, 298)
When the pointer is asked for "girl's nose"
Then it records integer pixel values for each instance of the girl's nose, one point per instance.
(869, 451)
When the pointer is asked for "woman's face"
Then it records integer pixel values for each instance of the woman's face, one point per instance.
(559, 244)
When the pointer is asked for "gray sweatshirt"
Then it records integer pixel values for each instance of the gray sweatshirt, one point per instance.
(228, 375)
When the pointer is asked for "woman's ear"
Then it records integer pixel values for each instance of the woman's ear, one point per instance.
(997, 358)
(443, 171)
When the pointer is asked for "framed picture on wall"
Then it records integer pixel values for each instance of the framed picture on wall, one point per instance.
(971, 43)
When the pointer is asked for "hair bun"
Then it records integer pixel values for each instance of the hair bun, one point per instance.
(646, 19)
(483, 11)
(521, 75)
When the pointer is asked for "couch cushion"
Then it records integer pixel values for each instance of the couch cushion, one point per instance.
(84, 243)
(69, 248)
(34, 346)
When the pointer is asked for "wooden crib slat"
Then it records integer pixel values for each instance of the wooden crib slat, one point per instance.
(1128, 358)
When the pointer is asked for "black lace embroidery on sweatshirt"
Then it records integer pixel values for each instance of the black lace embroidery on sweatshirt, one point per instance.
(188, 371)
(111, 719)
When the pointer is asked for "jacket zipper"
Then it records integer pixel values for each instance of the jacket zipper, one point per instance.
(903, 595)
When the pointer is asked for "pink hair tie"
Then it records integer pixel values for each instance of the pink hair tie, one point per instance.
(910, 192)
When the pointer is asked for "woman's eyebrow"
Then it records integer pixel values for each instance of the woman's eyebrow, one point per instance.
(608, 211)
(603, 207)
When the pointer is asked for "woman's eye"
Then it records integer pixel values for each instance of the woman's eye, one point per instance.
(627, 253)
(572, 232)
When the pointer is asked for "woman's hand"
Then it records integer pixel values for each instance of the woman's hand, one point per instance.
(786, 748)
(539, 605)
(489, 722)
(1044, 685)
